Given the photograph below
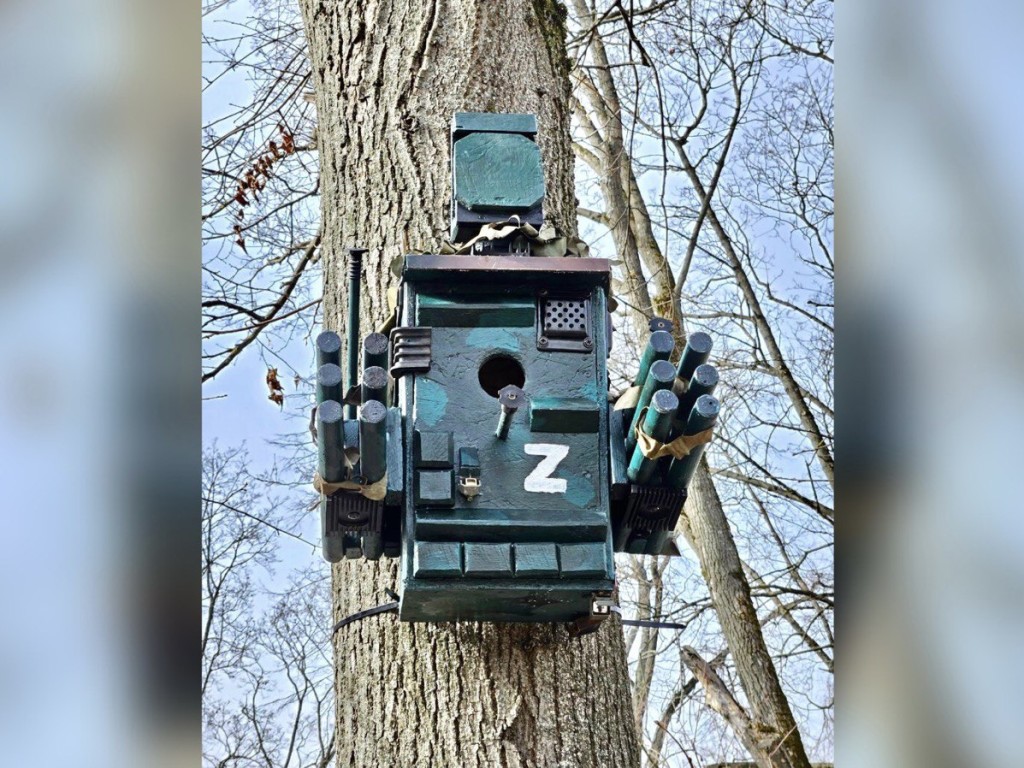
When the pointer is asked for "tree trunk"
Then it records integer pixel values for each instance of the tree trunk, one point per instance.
(388, 75)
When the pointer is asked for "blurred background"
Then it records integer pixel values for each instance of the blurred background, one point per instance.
(100, 397)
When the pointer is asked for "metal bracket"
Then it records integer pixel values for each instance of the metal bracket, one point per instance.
(411, 350)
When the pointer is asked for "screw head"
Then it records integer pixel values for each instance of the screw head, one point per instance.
(588, 342)
(543, 341)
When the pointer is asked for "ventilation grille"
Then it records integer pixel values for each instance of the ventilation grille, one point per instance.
(565, 319)
(564, 325)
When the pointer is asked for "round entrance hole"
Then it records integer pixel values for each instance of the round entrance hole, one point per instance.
(500, 371)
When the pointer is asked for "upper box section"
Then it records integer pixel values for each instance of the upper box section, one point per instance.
(497, 172)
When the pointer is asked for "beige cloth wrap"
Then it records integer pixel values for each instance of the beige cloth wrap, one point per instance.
(374, 491)
(679, 448)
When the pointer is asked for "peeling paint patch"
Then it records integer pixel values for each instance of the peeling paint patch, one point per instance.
(431, 402)
(493, 338)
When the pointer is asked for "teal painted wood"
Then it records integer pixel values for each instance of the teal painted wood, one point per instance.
(661, 376)
(488, 560)
(696, 352)
(437, 559)
(328, 383)
(372, 441)
(441, 310)
(500, 172)
(526, 525)
(617, 453)
(564, 414)
(703, 382)
(659, 347)
(703, 416)
(396, 458)
(375, 350)
(374, 385)
(535, 560)
(658, 424)
(329, 441)
(328, 348)
(465, 122)
(450, 398)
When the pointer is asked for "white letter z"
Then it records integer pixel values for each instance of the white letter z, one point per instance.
(540, 480)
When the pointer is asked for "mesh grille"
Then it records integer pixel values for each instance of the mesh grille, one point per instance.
(564, 318)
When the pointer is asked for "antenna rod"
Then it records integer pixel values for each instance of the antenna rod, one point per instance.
(355, 274)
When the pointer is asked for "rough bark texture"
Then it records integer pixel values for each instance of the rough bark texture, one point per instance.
(707, 530)
(388, 75)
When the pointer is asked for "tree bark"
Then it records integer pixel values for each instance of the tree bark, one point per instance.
(388, 75)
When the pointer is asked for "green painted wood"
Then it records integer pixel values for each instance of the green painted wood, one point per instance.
(435, 487)
(696, 352)
(433, 559)
(533, 560)
(372, 441)
(450, 398)
(584, 559)
(617, 454)
(661, 376)
(328, 383)
(465, 122)
(433, 449)
(488, 560)
(374, 385)
(658, 424)
(489, 524)
(396, 458)
(564, 414)
(328, 348)
(703, 382)
(331, 461)
(498, 172)
(659, 347)
(375, 350)
(442, 311)
(703, 416)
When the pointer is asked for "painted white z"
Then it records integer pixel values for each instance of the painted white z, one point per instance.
(540, 480)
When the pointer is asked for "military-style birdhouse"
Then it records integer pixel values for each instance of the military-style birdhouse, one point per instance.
(486, 454)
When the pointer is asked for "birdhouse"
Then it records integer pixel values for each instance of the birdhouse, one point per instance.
(486, 454)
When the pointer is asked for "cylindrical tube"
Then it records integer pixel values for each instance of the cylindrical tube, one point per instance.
(659, 347)
(622, 534)
(511, 398)
(703, 416)
(333, 546)
(696, 352)
(375, 351)
(328, 348)
(660, 377)
(373, 545)
(703, 382)
(355, 272)
(375, 384)
(330, 453)
(658, 424)
(328, 383)
(373, 461)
